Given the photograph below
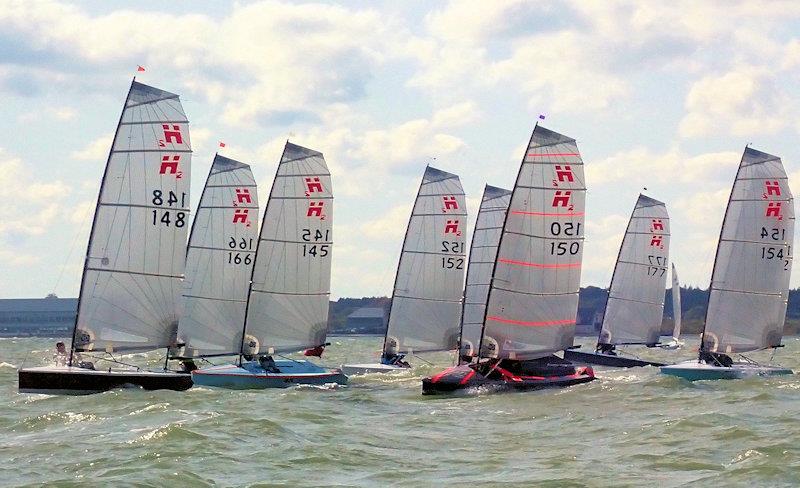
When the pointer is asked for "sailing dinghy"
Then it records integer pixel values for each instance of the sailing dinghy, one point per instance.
(635, 303)
(219, 263)
(287, 303)
(749, 287)
(675, 342)
(533, 297)
(482, 253)
(426, 302)
(134, 264)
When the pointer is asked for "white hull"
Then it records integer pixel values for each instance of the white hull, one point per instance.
(696, 371)
(368, 368)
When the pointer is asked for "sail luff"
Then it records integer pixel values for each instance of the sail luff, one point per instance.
(94, 225)
(258, 244)
(400, 261)
(426, 298)
(220, 257)
(130, 286)
(676, 304)
(635, 301)
(482, 255)
(533, 298)
(749, 287)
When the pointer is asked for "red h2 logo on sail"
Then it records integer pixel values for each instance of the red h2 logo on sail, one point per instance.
(313, 185)
(561, 199)
(240, 216)
(564, 174)
(657, 225)
(773, 188)
(242, 196)
(169, 166)
(452, 227)
(657, 241)
(315, 210)
(450, 203)
(172, 135)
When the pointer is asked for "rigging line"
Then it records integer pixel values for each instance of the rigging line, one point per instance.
(84, 220)
(112, 360)
(423, 360)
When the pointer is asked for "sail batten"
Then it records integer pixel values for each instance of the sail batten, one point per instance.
(635, 304)
(426, 299)
(131, 284)
(750, 280)
(533, 297)
(287, 308)
(219, 261)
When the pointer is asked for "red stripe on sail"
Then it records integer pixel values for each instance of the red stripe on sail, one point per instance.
(546, 323)
(547, 214)
(538, 265)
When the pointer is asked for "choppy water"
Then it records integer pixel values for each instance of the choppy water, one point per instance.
(629, 428)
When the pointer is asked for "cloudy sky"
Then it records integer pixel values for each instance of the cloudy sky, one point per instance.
(658, 94)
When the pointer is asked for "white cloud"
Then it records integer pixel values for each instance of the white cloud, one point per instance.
(96, 150)
(742, 102)
(639, 167)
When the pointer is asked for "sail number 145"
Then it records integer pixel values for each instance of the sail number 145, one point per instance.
(312, 236)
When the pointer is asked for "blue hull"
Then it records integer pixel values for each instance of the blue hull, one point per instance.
(252, 376)
(699, 371)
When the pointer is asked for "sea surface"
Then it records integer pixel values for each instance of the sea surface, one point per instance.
(630, 427)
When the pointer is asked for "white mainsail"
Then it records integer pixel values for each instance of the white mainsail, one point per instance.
(287, 306)
(131, 283)
(635, 306)
(676, 304)
(533, 299)
(482, 254)
(750, 283)
(426, 302)
(219, 261)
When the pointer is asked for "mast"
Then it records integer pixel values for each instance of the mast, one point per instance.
(135, 257)
(429, 284)
(750, 280)
(500, 244)
(94, 223)
(702, 347)
(613, 274)
(400, 259)
(483, 252)
(220, 257)
(258, 244)
(466, 284)
(288, 301)
(635, 302)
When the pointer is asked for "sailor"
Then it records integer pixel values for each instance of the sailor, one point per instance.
(188, 365)
(394, 359)
(268, 364)
(61, 356)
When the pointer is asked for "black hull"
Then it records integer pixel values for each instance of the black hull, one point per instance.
(606, 360)
(74, 381)
(524, 378)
